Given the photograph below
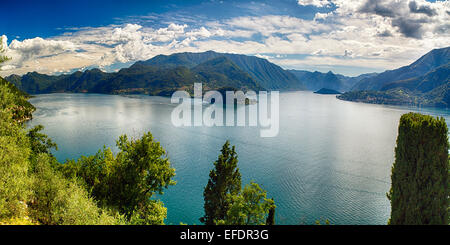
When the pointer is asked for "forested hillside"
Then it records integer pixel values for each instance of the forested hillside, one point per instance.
(163, 75)
(36, 189)
(425, 82)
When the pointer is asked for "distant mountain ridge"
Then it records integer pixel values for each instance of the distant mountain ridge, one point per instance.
(318, 80)
(423, 65)
(425, 82)
(267, 74)
(163, 74)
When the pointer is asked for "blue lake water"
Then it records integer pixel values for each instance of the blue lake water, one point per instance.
(331, 159)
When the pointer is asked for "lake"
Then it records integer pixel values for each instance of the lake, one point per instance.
(331, 159)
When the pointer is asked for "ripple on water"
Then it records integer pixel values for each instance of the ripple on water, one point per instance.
(331, 159)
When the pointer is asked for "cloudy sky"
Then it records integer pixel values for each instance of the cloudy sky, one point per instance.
(345, 36)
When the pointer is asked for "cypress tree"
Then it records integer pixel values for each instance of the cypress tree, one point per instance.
(224, 180)
(419, 191)
(271, 216)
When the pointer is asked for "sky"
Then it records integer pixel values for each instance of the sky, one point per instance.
(349, 37)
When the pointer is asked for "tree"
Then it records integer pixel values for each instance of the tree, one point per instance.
(15, 101)
(31, 190)
(419, 191)
(250, 207)
(40, 143)
(58, 201)
(153, 213)
(224, 180)
(271, 216)
(14, 175)
(127, 182)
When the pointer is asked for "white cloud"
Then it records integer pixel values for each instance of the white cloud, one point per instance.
(356, 33)
(270, 24)
(7, 67)
(322, 16)
(4, 43)
(201, 32)
(36, 47)
(316, 3)
(418, 19)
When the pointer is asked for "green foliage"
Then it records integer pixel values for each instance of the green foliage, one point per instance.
(17, 221)
(419, 192)
(327, 222)
(271, 216)
(7, 101)
(58, 201)
(31, 190)
(40, 143)
(14, 164)
(226, 204)
(250, 207)
(15, 182)
(15, 101)
(152, 213)
(93, 172)
(126, 182)
(224, 180)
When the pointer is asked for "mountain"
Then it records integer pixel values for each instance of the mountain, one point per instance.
(268, 75)
(157, 76)
(317, 80)
(349, 82)
(425, 83)
(429, 88)
(420, 67)
(222, 72)
(78, 82)
(147, 80)
(32, 82)
(18, 102)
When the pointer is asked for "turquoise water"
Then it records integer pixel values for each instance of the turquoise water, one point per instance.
(331, 159)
